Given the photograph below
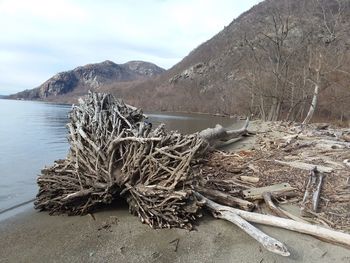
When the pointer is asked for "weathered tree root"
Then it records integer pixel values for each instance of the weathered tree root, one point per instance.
(82, 181)
(113, 154)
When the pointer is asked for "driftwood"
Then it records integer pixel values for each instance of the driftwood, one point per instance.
(270, 204)
(250, 179)
(325, 234)
(306, 166)
(312, 191)
(334, 143)
(220, 136)
(277, 210)
(115, 154)
(268, 242)
(226, 199)
(317, 193)
(257, 193)
(347, 162)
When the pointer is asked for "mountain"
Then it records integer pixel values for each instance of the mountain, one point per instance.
(67, 86)
(267, 62)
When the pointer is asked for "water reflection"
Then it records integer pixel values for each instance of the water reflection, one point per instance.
(187, 122)
(32, 134)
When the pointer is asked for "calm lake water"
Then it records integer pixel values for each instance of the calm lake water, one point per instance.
(33, 134)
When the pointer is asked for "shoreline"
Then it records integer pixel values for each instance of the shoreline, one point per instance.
(158, 111)
(114, 235)
(33, 236)
(14, 207)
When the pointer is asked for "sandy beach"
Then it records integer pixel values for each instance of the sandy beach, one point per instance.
(175, 131)
(116, 236)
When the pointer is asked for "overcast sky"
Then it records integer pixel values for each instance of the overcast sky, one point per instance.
(39, 38)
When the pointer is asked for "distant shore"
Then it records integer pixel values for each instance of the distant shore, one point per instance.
(160, 111)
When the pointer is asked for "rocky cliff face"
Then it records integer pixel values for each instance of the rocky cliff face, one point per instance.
(59, 84)
(90, 77)
(144, 68)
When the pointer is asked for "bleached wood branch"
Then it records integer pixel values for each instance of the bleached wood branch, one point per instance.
(266, 241)
(306, 166)
(325, 234)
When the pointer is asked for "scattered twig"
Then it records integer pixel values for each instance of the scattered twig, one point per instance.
(176, 242)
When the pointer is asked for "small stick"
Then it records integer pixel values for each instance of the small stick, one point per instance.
(277, 210)
(317, 193)
(176, 241)
(249, 179)
(271, 205)
(307, 188)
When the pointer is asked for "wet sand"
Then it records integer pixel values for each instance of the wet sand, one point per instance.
(37, 237)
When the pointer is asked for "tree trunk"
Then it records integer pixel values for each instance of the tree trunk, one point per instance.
(272, 110)
(262, 108)
(315, 96)
(312, 106)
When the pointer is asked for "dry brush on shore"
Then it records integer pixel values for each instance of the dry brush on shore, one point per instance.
(164, 176)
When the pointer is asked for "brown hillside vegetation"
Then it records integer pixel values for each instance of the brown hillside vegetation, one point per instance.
(268, 62)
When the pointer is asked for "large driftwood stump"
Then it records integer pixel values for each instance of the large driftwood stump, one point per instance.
(114, 153)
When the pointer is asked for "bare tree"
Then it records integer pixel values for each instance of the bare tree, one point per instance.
(293, 59)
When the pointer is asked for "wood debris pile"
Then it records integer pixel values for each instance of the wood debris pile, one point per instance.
(288, 154)
(113, 154)
(167, 177)
(294, 157)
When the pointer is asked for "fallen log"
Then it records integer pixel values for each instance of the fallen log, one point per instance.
(220, 136)
(306, 166)
(114, 153)
(266, 241)
(334, 143)
(325, 234)
(226, 199)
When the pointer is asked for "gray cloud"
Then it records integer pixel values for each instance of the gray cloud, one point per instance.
(40, 38)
